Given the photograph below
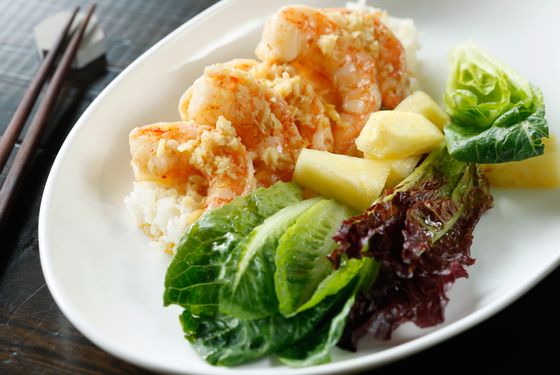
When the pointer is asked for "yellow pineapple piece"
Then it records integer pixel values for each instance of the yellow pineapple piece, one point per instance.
(396, 135)
(350, 180)
(538, 172)
(422, 103)
(399, 169)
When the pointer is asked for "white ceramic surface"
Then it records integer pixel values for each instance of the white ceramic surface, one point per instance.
(107, 279)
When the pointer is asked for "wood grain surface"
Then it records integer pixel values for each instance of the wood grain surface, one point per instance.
(36, 338)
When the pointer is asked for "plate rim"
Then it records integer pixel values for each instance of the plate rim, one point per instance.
(93, 334)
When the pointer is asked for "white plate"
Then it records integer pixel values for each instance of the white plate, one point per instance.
(108, 281)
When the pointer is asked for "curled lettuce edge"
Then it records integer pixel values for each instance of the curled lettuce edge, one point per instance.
(420, 233)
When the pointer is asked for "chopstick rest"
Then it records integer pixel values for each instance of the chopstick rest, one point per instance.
(91, 48)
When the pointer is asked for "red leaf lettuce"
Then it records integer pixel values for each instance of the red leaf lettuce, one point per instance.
(420, 233)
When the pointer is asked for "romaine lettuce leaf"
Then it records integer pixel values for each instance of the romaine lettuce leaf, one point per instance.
(496, 115)
(248, 292)
(337, 280)
(192, 277)
(315, 348)
(301, 340)
(194, 281)
(228, 341)
(301, 257)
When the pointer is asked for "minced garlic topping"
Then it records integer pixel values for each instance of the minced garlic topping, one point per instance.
(327, 43)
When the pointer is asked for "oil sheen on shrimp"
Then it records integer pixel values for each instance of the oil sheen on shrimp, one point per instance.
(261, 119)
(313, 116)
(349, 56)
(274, 112)
(210, 161)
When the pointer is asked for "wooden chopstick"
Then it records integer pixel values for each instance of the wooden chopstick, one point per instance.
(22, 112)
(28, 146)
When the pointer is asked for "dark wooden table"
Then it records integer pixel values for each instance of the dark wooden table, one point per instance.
(35, 337)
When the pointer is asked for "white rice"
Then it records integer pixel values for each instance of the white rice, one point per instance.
(162, 213)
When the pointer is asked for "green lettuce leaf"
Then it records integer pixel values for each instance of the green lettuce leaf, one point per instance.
(301, 340)
(229, 341)
(250, 227)
(496, 115)
(301, 257)
(334, 282)
(316, 347)
(248, 290)
(192, 277)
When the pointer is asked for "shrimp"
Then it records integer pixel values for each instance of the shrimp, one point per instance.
(392, 70)
(194, 159)
(261, 118)
(313, 116)
(350, 57)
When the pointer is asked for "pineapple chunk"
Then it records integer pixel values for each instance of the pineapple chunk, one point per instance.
(422, 103)
(396, 135)
(538, 172)
(399, 169)
(354, 181)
